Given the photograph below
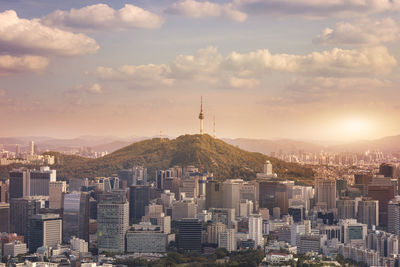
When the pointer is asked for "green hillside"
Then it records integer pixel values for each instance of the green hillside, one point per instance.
(203, 151)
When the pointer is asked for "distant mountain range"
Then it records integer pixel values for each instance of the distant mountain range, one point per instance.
(265, 146)
(224, 160)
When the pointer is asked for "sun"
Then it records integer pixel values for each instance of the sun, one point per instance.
(355, 126)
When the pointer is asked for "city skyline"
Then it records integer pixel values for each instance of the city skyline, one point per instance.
(260, 77)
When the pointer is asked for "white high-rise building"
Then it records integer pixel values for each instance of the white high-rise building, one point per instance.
(255, 229)
(227, 240)
(79, 244)
(32, 148)
(295, 231)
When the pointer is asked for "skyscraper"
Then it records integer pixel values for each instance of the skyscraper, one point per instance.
(368, 212)
(201, 117)
(4, 217)
(57, 189)
(112, 221)
(44, 230)
(325, 192)
(19, 183)
(139, 197)
(255, 229)
(383, 193)
(394, 216)
(189, 238)
(346, 208)
(40, 181)
(76, 216)
(32, 148)
(21, 211)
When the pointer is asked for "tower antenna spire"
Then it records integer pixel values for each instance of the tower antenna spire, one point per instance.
(201, 116)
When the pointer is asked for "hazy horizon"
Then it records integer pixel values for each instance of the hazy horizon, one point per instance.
(303, 70)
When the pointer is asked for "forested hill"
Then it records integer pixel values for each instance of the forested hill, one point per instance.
(203, 151)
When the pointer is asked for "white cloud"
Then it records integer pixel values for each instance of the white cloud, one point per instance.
(200, 9)
(312, 89)
(95, 89)
(243, 83)
(23, 36)
(248, 70)
(364, 31)
(316, 8)
(102, 16)
(336, 62)
(142, 75)
(80, 89)
(12, 65)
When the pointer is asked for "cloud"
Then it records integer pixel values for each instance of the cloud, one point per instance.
(333, 90)
(335, 62)
(316, 8)
(102, 16)
(201, 9)
(93, 89)
(361, 32)
(243, 83)
(248, 70)
(13, 65)
(141, 76)
(23, 36)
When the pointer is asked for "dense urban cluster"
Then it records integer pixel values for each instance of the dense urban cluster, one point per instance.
(186, 215)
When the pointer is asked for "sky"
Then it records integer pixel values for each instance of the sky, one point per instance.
(301, 69)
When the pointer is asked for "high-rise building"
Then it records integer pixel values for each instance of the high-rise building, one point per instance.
(40, 181)
(388, 170)
(185, 208)
(21, 211)
(214, 194)
(325, 192)
(4, 191)
(44, 230)
(352, 232)
(297, 212)
(393, 225)
(17, 150)
(19, 183)
(189, 237)
(255, 229)
(227, 240)
(112, 221)
(213, 230)
(76, 216)
(231, 195)
(139, 198)
(32, 148)
(368, 212)
(4, 217)
(346, 208)
(382, 193)
(57, 189)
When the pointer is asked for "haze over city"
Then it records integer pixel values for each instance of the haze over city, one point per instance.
(309, 70)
